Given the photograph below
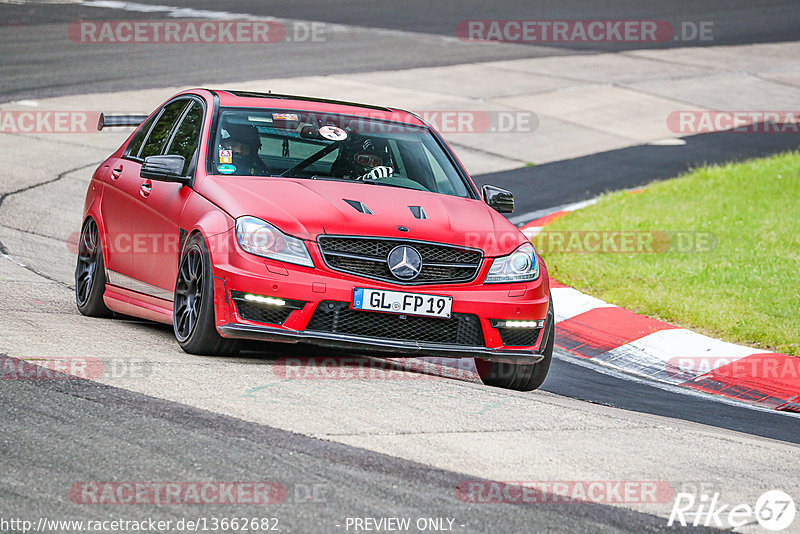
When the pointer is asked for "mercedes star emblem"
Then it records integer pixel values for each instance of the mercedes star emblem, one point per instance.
(404, 262)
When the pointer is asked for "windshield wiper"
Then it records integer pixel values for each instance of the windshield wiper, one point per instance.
(351, 181)
(375, 182)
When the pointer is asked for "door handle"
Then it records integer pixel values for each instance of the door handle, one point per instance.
(116, 173)
(147, 186)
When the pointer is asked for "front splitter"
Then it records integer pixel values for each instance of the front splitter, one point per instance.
(395, 348)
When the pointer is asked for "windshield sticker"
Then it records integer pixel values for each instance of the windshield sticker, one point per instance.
(259, 118)
(226, 169)
(286, 116)
(225, 156)
(333, 133)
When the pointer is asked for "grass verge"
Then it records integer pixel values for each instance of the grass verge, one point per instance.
(716, 250)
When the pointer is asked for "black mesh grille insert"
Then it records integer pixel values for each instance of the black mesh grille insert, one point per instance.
(371, 269)
(337, 318)
(261, 313)
(462, 264)
(519, 337)
(264, 313)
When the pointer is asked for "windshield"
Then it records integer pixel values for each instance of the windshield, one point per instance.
(297, 144)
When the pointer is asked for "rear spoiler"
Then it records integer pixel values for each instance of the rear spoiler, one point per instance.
(119, 120)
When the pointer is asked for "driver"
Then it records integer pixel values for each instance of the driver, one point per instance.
(243, 142)
(364, 158)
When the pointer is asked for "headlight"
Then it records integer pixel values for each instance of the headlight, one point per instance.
(262, 239)
(522, 265)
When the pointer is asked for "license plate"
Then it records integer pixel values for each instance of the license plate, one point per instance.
(404, 303)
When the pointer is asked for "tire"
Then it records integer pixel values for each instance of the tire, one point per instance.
(90, 273)
(193, 318)
(518, 376)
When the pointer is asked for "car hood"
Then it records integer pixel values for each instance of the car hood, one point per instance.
(307, 208)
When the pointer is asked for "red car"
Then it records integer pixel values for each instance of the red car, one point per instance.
(234, 215)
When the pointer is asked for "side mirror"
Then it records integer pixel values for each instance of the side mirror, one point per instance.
(498, 198)
(164, 169)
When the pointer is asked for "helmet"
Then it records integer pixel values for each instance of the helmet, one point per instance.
(241, 139)
(359, 155)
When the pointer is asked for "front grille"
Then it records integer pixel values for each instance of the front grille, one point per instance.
(519, 337)
(337, 318)
(366, 256)
(264, 313)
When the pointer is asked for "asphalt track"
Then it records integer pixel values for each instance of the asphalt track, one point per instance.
(58, 431)
(106, 433)
(736, 21)
(39, 61)
(563, 182)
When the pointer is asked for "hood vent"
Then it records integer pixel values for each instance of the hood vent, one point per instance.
(359, 206)
(418, 212)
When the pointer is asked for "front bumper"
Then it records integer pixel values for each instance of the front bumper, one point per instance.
(237, 272)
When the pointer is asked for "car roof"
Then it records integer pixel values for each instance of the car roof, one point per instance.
(247, 99)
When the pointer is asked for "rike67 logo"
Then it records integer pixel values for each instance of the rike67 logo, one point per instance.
(774, 510)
